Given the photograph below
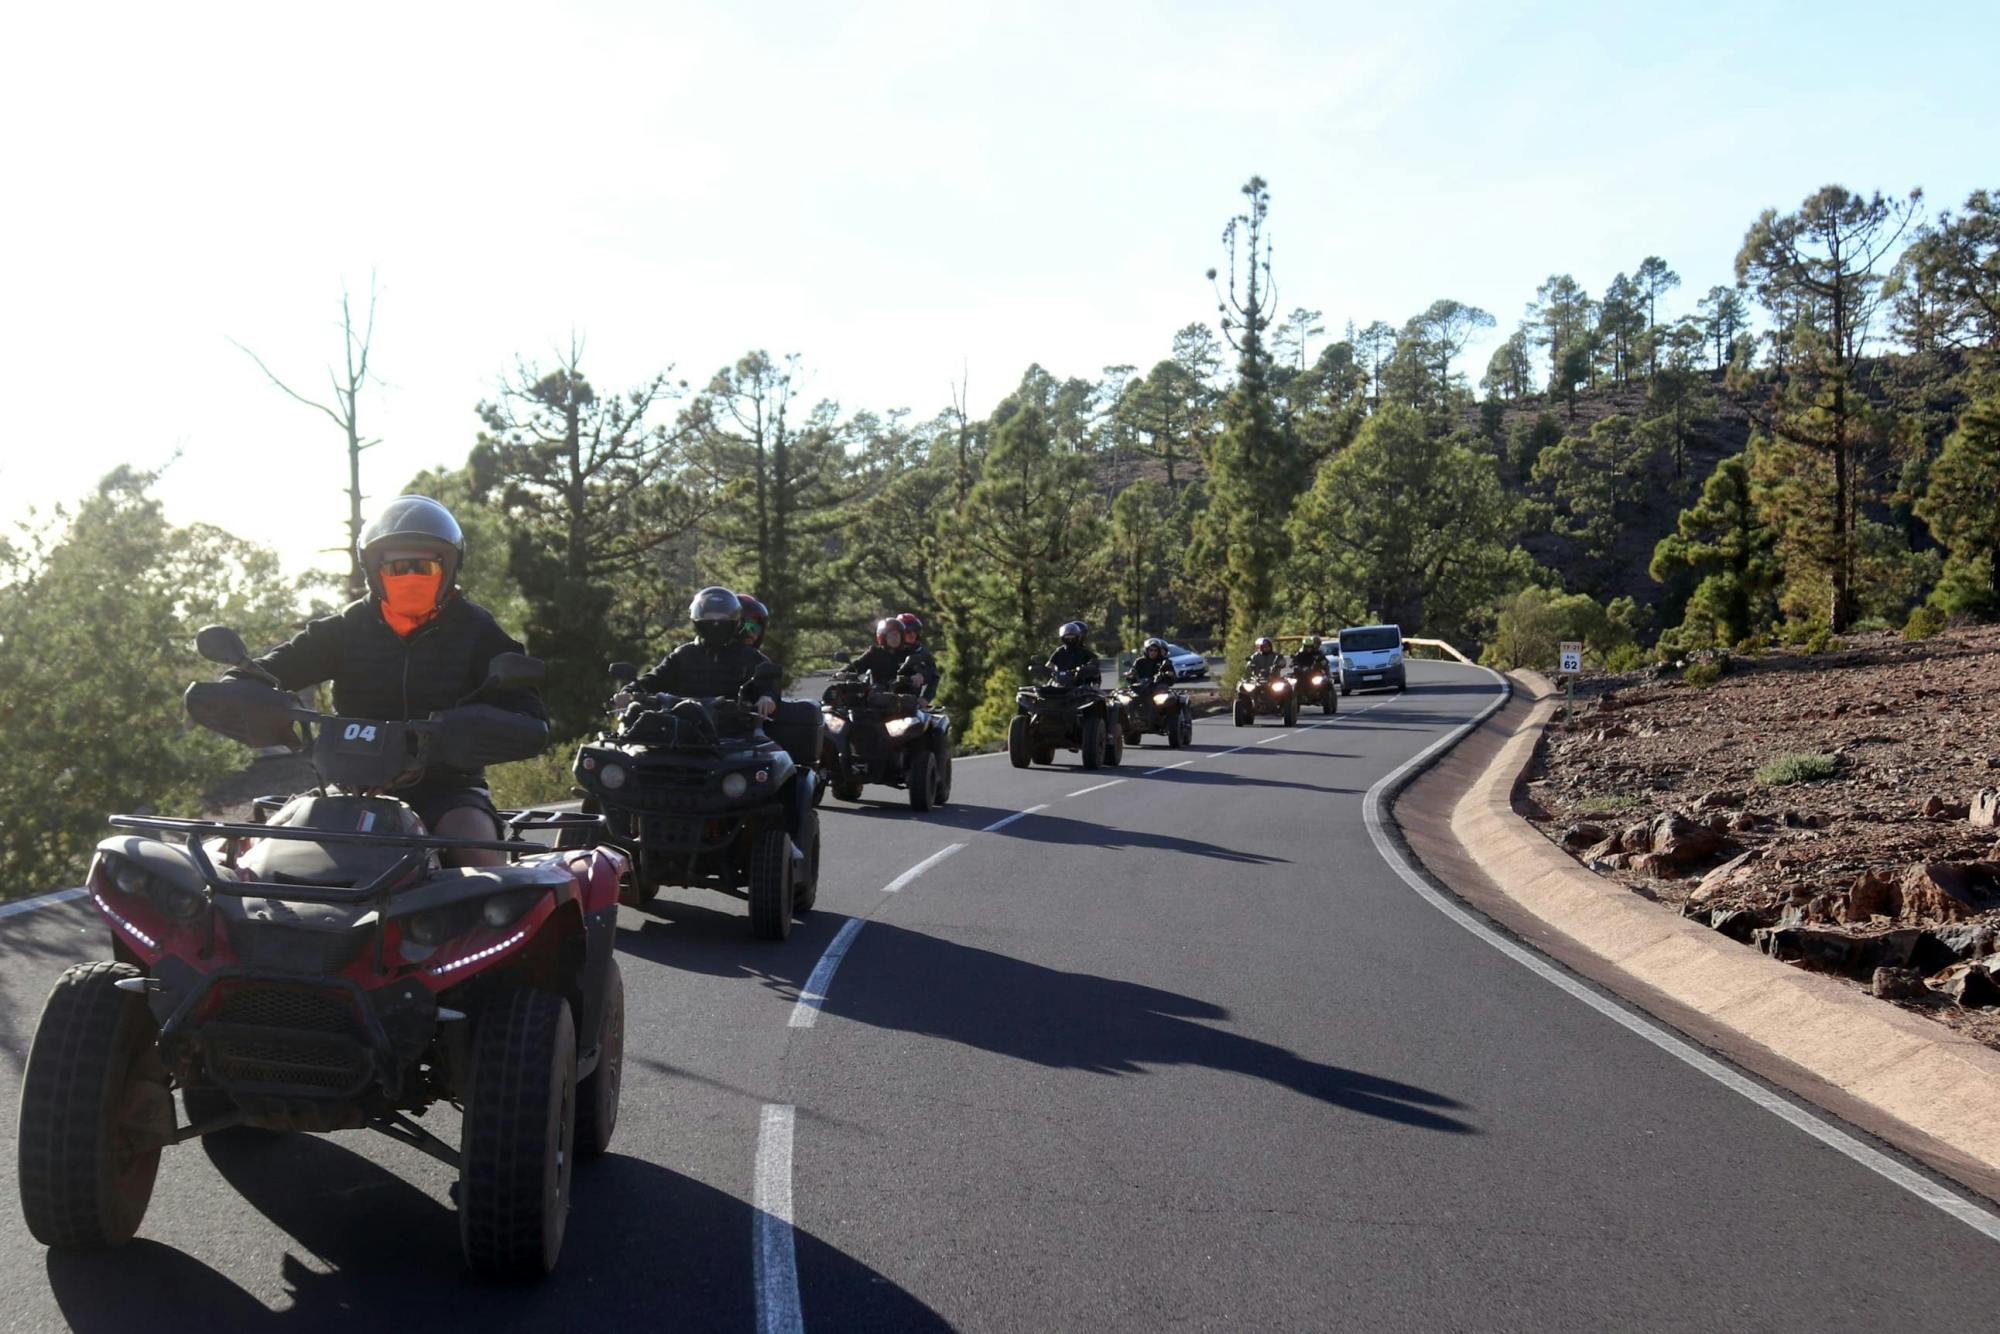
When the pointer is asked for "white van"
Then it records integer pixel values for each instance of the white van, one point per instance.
(1371, 658)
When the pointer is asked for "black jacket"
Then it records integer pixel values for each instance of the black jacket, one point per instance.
(735, 670)
(1266, 664)
(377, 673)
(883, 665)
(1145, 669)
(1307, 660)
(1081, 657)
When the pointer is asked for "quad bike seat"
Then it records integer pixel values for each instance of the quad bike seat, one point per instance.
(333, 865)
(797, 726)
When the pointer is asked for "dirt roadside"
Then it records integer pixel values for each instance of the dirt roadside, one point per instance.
(1835, 811)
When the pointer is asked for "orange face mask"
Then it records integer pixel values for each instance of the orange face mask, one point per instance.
(409, 600)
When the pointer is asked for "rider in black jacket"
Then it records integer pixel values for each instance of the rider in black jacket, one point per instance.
(1152, 663)
(920, 666)
(1265, 660)
(891, 657)
(1309, 658)
(414, 646)
(1076, 655)
(716, 661)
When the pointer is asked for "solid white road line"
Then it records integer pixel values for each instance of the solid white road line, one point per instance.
(1085, 791)
(42, 901)
(806, 1010)
(1163, 768)
(998, 825)
(774, 1257)
(922, 866)
(1973, 1216)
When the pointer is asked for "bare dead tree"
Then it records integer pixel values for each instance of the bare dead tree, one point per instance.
(346, 382)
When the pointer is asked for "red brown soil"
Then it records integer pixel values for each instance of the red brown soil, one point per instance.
(1916, 730)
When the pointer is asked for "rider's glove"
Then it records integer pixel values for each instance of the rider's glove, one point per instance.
(766, 706)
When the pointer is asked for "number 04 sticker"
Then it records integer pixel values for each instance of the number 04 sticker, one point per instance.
(359, 732)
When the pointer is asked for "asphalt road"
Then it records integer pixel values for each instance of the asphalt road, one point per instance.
(1179, 1051)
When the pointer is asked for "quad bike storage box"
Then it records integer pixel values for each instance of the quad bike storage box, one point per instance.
(797, 726)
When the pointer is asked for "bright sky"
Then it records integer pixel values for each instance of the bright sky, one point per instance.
(893, 190)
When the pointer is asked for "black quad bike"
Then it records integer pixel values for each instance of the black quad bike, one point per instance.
(319, 969)
(1155, 707)
(705, 793)
(1319, 686)
(1068, 711)
(1261, 693)
(892, 737)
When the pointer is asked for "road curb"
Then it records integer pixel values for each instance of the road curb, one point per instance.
(1900, 1065)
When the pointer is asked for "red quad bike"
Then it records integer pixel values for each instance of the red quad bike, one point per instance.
(1259, 693)
(320, 970)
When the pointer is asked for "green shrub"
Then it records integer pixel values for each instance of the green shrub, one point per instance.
(1869, 625)
(1613, 805)
(1701, 675)
(1797, 769)
(1923, 623)
(1822, 641)
(1753, 646)
(1625, 658)
(541, 781)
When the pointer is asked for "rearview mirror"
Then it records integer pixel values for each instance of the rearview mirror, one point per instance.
(219, 643)
(622, 671)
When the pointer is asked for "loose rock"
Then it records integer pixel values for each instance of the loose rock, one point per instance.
(1940, 890)
(1897, 983)
(1984, 812)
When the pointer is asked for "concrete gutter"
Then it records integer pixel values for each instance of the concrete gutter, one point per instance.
(1941, 1085)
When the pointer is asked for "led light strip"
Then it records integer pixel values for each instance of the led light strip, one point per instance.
(487, 953)
(133, 931)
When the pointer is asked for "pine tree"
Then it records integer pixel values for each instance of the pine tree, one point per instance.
(1253, 471)
(1723, 541)
(1962, 508)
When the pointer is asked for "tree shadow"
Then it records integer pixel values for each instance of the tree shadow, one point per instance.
(643, 1241)
(916, 983)
(1210, 778)
(1047, 827)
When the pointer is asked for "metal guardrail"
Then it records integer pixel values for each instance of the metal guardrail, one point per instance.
(1442, 647)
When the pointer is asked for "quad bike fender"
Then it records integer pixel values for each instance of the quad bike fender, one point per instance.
(597, 872)
(799, 804)
(600, 939)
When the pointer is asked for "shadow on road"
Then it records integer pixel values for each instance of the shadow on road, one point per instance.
(644, 1243)
(1048, 827)
(910, 982)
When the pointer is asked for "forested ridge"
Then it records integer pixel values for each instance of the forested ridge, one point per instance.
(1810, 445)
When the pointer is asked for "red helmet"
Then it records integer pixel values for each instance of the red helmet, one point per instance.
(913, 629)
(884, 626)
(1264, 644)
(756, 616)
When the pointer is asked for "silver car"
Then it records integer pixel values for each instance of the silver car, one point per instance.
(1188, 665)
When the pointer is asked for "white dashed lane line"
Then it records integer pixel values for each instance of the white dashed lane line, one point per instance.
(922, 866)
(1000, 824)
(774, 1257)
(1086, 791)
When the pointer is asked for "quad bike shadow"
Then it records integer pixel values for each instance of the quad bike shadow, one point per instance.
(364, 1248)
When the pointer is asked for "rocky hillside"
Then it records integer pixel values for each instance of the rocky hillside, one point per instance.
(1838, 812)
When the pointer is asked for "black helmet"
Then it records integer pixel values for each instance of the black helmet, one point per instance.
(885, 625)
(717, 614)
(1074, 632)
(1264, 643)
(415, 523)
(1154, 643)
(756, 619)
(1312, 641)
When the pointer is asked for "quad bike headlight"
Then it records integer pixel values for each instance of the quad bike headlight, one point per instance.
(506, 909)
(735, 784)
(433, 928)
(611, 777)
(1162, 697)
(899, 726)
(182, 905)
(1319, 678)
(1278, 687)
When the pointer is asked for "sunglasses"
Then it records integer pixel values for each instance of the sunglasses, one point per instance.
(412, 565)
